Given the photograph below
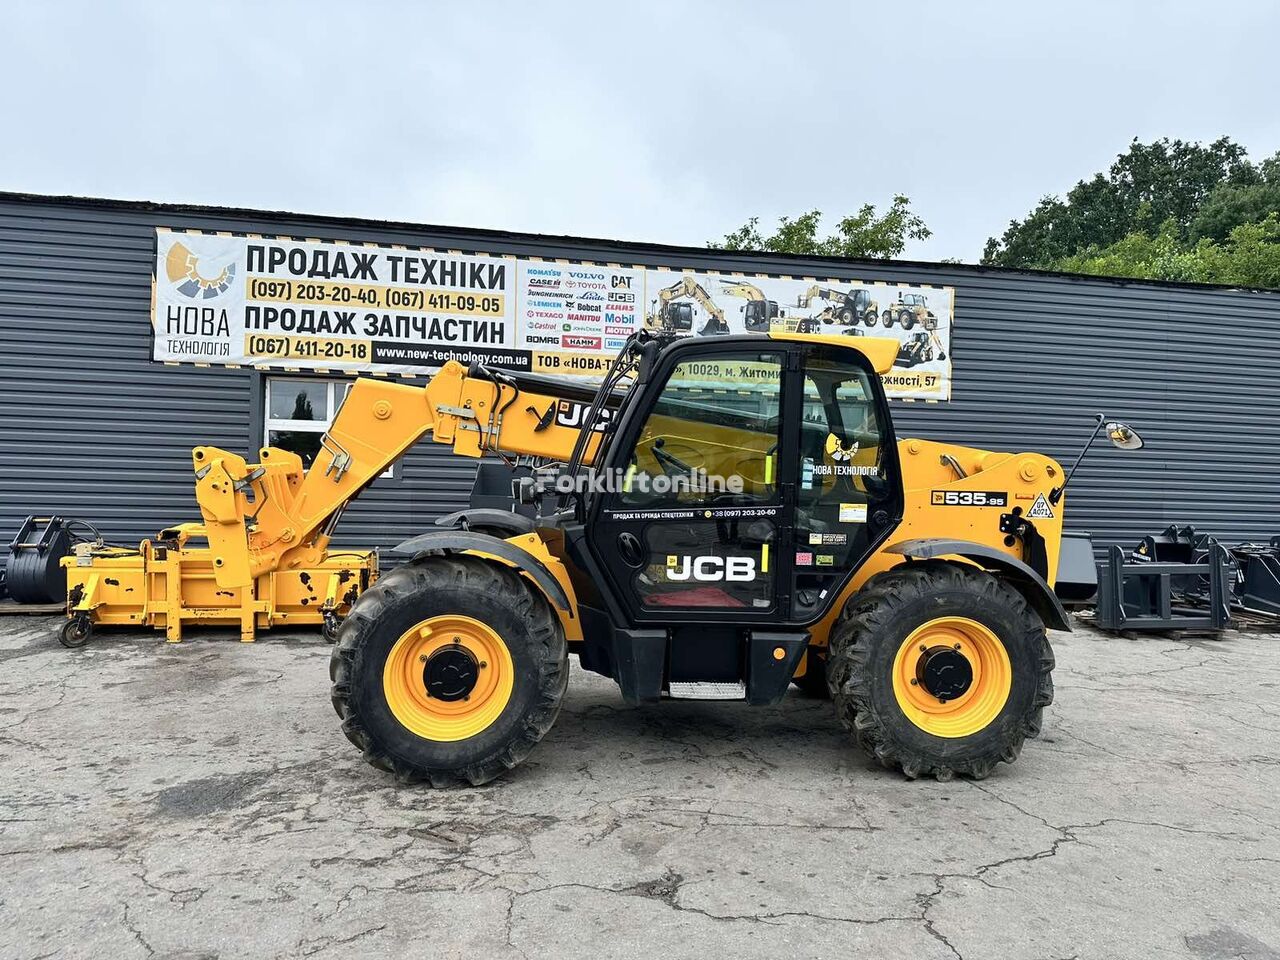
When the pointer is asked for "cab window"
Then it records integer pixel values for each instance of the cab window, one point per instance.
(711, 436)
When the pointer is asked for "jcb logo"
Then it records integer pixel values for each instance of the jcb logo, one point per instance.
(711, 569)
(571, 414)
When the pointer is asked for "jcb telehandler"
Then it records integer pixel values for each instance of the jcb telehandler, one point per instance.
(728, 515)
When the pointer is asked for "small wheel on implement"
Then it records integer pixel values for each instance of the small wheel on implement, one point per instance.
(332, 624)
(76, 632)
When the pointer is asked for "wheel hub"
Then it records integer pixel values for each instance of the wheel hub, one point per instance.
(952, 676)
(945, 673)
(450, 674)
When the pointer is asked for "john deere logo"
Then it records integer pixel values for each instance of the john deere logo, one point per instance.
(839, 451)
(183, 269)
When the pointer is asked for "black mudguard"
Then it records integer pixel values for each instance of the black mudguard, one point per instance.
(488, 518)
(1030, 584)
(460, 541)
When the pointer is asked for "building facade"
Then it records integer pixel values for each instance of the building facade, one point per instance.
(92, 427)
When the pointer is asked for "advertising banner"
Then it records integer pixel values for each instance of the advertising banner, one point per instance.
(363, 308)
(919, 318)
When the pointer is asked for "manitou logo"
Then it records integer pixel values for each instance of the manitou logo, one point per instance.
(711, 569)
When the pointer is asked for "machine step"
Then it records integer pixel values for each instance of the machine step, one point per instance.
(707, 690)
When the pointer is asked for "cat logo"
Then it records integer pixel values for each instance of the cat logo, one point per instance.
(710, 569)
(838, 451)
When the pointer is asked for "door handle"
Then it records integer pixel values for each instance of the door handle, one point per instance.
(630, 551)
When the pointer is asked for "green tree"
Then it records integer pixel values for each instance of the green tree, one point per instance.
(1231, 204)
(1147, 186)
(861, 235)
(1249, 256)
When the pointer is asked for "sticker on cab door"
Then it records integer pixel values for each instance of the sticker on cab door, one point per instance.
(853, 513)
(969, 498)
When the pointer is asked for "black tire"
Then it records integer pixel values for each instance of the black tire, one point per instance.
(907, 319)
(870, 318)
(75, 633)
(883, 614)
(814, 681)
(847, 317)
(886, 317)
(438, 586)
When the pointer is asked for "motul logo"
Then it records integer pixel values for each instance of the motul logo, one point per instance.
(711, 569)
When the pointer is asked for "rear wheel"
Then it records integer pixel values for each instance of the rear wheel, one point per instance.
(814, 681)
(941, 669)
(448, 670)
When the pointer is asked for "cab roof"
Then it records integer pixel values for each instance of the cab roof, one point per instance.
(881, 351)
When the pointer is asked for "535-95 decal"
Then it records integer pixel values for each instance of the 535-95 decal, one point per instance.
(969, 498)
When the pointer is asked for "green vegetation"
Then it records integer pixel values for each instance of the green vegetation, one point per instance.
(1167, 210)
(861, 235)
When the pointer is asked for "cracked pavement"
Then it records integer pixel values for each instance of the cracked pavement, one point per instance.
(200, 801)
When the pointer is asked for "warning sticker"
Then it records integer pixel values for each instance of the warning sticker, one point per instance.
(826, 560)
(1040, 510)
(804, 559)
(828, 539)
(853, 513)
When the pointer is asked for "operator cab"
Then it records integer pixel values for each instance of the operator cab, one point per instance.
(678, 317)
(758, 315)
(748, 479)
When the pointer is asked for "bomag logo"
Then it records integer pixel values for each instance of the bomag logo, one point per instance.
(535, 338)
(711, 569)
(182, 267)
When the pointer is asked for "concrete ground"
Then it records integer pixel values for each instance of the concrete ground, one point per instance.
(200, 801)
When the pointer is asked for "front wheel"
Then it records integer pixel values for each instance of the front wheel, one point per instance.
(941, 669)
(448, 670)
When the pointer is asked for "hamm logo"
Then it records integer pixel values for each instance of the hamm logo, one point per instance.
(182, 267)
(580, 343)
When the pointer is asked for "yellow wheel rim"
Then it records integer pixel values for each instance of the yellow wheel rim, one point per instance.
(938, 654)
(464, 661)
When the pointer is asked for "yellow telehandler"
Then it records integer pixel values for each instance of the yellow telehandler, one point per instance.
(718, 518)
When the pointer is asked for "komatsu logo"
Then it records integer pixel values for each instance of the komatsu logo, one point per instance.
(711, 569)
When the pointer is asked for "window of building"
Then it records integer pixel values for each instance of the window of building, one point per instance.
(299, 410)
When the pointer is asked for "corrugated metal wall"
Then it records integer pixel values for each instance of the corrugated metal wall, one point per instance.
(90, 427)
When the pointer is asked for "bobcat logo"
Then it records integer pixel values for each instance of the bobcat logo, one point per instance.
(838, 451)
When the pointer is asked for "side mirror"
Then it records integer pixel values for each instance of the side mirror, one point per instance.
(1120, 434)
(1123, 436)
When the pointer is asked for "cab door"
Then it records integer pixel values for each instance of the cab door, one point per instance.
(697, 523)
(848, 486)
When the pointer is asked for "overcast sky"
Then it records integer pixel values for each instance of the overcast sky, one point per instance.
(660, 122)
